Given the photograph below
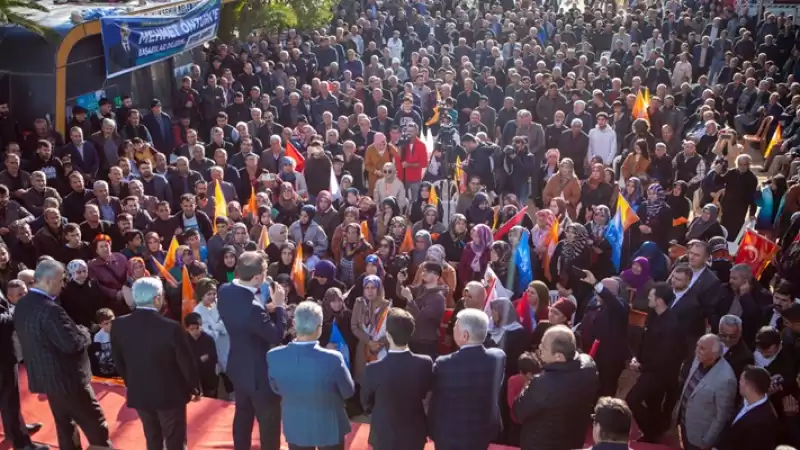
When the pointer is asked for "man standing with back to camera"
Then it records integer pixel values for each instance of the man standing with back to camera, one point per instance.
(253, 329)
(56, 360)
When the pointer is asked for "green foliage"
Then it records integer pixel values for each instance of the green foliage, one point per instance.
(14, 12)
(275, 16)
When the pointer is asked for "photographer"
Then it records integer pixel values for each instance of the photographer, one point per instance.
(515, 167)
(480, 161)
(446, 152)
(411, 159)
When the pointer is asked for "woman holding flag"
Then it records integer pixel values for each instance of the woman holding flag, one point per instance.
(601, 249)
(426, 197)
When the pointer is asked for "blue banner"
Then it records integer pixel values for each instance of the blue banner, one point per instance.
(522, 260)
(337, 339)
(133, 42)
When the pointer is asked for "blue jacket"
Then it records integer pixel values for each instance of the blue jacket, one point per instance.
(160, 132)
(313, 383)
(252, 331)
(89, 164)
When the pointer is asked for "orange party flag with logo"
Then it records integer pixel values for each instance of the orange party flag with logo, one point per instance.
(187, 293)
(550, 242)
(756, 251)
(298, 273)
(165, 274)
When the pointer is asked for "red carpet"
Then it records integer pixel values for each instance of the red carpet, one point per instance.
(209, 423)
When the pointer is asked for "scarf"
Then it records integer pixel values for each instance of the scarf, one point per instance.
(699, 226)
(572, 250)
(508, 320)
(636, 197)
(598, 230)
(654, 207)
(503, 250)
(418, 256)
(763, 361)
(637, 281)
(458, 239)
(74, 266)
(485, 237)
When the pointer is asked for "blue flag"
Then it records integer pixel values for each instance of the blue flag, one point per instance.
(338, 340)
(615, 233)
(522, 260)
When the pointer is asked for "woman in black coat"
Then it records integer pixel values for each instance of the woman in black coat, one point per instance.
(705, 226)
(601, 249)
(594, 191)
(81, 297)
(680, 207)
(455, 239)
(656, 219)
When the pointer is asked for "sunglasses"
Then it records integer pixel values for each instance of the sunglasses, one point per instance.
(388, 171)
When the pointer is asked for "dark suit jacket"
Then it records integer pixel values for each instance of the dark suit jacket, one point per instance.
(54, 347)
(756, 430)
(464, 412)
(690, 317)
(393, 390)
(121, 59)
(8, 352)
(252, 332)
(157, 366)
(163, 138)
(739, 357)
(114, 202)
(89, 164)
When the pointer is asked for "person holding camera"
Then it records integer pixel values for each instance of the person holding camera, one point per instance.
(479, 162)
(516, 168)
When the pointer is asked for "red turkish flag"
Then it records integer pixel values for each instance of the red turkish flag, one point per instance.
(299, 161)
(756, 251)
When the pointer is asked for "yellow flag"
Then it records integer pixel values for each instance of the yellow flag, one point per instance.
(169, 260)
(220, 205)
(263, 239)
(433, 199)
(298, 274)
(458, 176)
(776, 137)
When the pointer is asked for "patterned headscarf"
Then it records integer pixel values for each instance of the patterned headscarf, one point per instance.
(573, 249)
(655, 206)
(599, 231)
(436, 253)
(503, 250)
(372, 280)
(486, 240)
(74, 266)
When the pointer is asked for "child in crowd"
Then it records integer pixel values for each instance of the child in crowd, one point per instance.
(529, 366)
(205, 353)
(101, 348)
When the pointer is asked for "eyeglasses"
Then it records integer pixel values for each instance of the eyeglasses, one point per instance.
(388, 171)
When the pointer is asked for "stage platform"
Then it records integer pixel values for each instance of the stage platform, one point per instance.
(209, 423)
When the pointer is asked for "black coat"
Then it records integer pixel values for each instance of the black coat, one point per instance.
(157, 366)
(81, 302)
(54, 347)
(394, 389)
(739, 357)
(756, 430)
(8, 352)
(662, 348)
(555, 409)
(610, 328)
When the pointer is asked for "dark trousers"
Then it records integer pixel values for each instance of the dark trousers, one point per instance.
(609, 377)
(430, 348)
(264, 407)
(164, 427)
(13, 424)
(324, 447)
(647, 401)
(78, 407)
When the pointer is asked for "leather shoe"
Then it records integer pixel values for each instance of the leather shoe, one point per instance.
(33, 428)
(35, 446)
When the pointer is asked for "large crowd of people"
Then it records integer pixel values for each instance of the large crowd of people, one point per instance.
(474, 223)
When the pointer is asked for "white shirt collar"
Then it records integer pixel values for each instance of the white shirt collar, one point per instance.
(399, 351)
(309, 343)
(238, 282)
(470, 346)
(748, 407)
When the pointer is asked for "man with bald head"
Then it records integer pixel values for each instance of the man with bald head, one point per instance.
(708, 396)
(555, 408)
(609, 330)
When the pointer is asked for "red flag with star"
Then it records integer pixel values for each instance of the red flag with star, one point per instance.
(756, 251)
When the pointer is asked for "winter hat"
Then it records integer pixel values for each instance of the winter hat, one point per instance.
(565, 307)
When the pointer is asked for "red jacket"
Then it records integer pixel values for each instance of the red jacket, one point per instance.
(417, 153)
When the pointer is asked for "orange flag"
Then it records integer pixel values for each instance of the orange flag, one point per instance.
(187, 293)
(550, 240)
(756, 251)
(408, 241)
(263, 238)
(252, 205)
(169, 260)
(433, 199)
(365, 231)
(165, 274)
(776, 137)
(292, 152)
(298, 274)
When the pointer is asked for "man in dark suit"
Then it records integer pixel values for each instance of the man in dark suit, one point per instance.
(159, 124)
(755, 426)
(123, 55)
(737, 353)
(313, 383)
(159, 372)
(704, 284)
(464, 412)
(13, 426)
(83, 154)
(57, 362)
(253, 329)
(394, 388)
(687, 307)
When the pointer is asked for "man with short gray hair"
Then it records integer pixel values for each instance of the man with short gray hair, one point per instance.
(313, 383)
(735, 350)
(464, 413)
(160, 373)
(57, 361)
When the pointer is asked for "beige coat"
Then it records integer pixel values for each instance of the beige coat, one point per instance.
(571, 193)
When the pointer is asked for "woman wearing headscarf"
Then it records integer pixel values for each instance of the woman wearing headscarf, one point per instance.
(480, 211)
(475, 256)
(594, 192)
(289, 175)
(292, 296)
(455, 239)
(545, 219)
(389, 210)
(110, 271)
(278, 235)
(422, 202)
(565, 185)
(430, 222)
(705, 226)
(337, 240)
(369, 325)
(397, 231)
(288, 205)
(136, 270)
(327, 217)
(633, 193)
(572, 252)
(81, 296)
(501, 261)
(436, 254)
(601, 265)
(225, 269)
(422, 242)
(305, 229)
(637, 282)
(334, 310)
(262, 219)
(374, 266)
(472, 296)
(655, 218)
(322, 279)
(532, 307)
(680, 207)
(352, 260)
(284, 263)
(659, 261)
(205, 294)
(390, 186)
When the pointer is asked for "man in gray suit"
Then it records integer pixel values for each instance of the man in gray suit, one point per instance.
(313, 383)
(707, 399)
